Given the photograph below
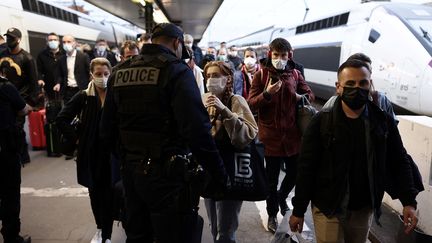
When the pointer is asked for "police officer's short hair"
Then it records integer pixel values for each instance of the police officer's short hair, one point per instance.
(102, 61)
(280, 45)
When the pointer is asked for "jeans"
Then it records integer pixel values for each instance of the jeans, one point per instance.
(273, 165)
(224, 219)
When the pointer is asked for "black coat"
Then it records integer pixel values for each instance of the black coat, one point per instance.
(92, 160)
(47, 63)
(322, 175)
(81, 71)
(110, 56)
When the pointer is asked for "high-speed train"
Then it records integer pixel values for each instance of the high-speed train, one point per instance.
(37, 18)
(397, 37)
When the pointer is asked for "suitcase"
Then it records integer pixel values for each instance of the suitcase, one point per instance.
(52, 140)
(36, 121)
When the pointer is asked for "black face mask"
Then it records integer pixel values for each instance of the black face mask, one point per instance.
(355, 98)
(11, 43)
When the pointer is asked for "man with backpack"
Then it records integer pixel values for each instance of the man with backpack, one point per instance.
(350, 154)
(274, 94)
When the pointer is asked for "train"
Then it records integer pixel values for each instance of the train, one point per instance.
(36, 18)
(396, 36)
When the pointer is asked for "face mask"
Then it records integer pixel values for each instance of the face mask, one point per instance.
(222, 58)
(233, 53)
(101, 48)
(53, 45)
(187, 60)
(100, 82)
(189, 45)
(279, 64)
(216, 85)
(249, 62)
(355, 98)
(68, 47)
(11, 43)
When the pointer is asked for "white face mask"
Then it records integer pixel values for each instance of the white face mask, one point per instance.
(250, 62)
(68, 47)
(188, 45)
(53, 45)
(233, 53)
(101, 82)
(216, 85)
(279, 64)
(101, 48)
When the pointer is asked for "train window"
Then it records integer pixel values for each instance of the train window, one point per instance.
(65, 15)
(58, 13)
(25, 4)
(48, 9)
(42, 8)
(374, 35)
(33, 6)
(75, 19)
(344, 18)
(336, 21)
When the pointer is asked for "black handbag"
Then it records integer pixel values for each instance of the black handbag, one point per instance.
(305, 112)
(245, 168)
(246, 171)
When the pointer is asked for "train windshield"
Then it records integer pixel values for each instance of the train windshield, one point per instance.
(418, 19)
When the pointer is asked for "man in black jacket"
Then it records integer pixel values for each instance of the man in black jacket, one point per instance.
(349, 154)
(73, 70)
(101, 50)
(22, 73)
(47, 62)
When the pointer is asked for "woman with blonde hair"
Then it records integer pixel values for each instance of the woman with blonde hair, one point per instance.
(233, 125)
(93, 163)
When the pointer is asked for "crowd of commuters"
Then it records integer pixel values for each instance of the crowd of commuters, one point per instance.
(165, 112)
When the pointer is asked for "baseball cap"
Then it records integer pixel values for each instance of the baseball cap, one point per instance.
(170, 30)
(14, 32)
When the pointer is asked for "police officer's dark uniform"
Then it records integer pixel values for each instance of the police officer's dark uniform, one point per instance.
(154, 105)
(10, 167)
(23, 74)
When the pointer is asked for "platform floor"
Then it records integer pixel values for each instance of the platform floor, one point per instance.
(55, 209)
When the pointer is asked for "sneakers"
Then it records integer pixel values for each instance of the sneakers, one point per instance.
(97, 238)
(272, 224)
(107, 241)
(19, 239)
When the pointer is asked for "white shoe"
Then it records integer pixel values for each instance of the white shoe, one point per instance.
(97, 238)
(108, 241)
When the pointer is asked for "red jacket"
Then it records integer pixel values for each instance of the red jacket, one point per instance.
(277, 127)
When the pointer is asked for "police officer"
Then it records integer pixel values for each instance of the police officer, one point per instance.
(11, 105)
(23, 74)
(155, 107)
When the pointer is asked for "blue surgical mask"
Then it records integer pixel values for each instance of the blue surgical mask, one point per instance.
(53, 45)
(68, 47)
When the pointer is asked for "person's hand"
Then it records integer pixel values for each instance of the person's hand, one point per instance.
(410, 219)
(212, 100)
(41, 82)
(274, 88)
(296, 224)
(56, 88)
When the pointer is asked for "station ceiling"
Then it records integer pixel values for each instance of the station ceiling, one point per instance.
(192, 15)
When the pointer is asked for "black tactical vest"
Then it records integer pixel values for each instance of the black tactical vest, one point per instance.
(143, 106)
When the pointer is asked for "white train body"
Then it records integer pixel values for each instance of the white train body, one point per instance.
(389, 33)
(37, 18)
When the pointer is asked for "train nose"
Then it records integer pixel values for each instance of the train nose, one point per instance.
(426, 92)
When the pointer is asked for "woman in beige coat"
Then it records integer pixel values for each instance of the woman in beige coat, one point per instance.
(232, 124)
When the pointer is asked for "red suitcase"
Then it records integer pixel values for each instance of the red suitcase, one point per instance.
(36, 129)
